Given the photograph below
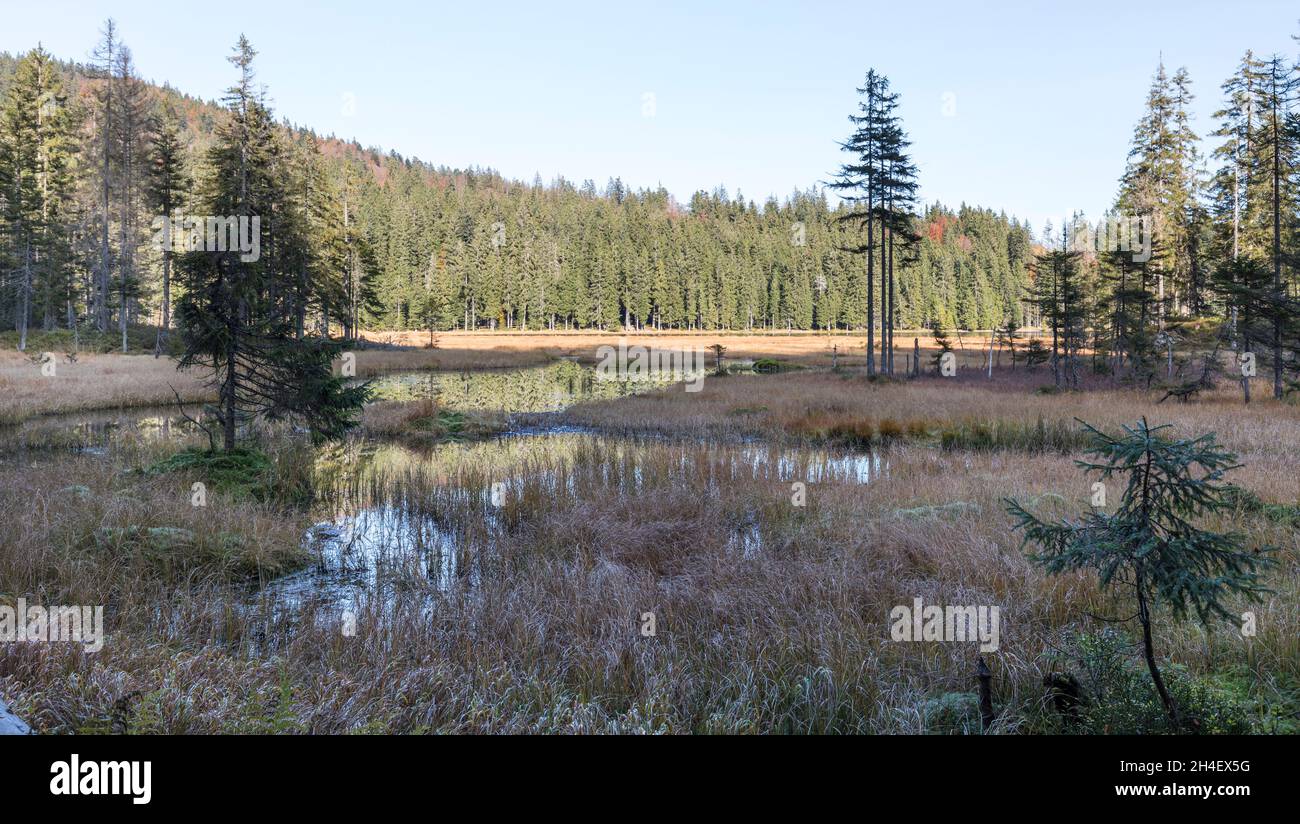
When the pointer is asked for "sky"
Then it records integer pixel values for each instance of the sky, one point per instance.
(1024, 107)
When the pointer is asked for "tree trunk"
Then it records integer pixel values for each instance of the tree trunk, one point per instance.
(1148, 652)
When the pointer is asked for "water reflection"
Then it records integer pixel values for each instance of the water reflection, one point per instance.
(408, 523)
(405, 525)
(548, 388)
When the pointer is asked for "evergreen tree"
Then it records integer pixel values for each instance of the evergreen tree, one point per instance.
(166, 189)
(236, 318)
(1151, 545)
(37, 152)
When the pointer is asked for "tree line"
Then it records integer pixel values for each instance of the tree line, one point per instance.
(1218, 274)
(91, 157)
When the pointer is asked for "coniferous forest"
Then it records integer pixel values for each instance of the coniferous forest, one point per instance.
(403, 244)
(304, 436)
(93, 155)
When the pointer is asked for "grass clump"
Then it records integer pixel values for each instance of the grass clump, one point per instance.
(424, 421)
(244, 473)
(1013, 435)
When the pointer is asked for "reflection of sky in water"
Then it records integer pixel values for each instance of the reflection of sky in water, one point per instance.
(382, 544)
(535, 389)
(377, 547)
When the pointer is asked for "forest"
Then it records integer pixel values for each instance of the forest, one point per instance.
(91, 157)
(344, 441)
(403, 244)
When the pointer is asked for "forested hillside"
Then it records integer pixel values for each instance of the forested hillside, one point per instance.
(415, 245)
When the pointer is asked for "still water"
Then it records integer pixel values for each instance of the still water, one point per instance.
(397, 520)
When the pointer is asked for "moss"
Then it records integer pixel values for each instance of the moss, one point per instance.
(766, 366)
(953, 713)
(1118, 697)
(242, 472)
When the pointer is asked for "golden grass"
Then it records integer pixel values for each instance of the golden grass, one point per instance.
(93, 382)
(769, 617)
(456, 350)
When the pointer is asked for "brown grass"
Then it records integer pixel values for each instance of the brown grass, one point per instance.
(457, 350)
(811, 406)
(93, 382)
(769, 617)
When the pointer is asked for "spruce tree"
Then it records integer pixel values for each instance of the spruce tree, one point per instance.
(166, 188)
(1151, 545)
(236, 317)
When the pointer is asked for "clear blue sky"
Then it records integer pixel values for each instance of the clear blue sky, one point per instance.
(749, 95)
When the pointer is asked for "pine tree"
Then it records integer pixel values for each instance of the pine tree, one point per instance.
(37, 151)
(236, 318)
(1276, 145)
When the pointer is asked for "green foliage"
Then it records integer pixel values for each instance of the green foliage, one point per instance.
(243, 472)
(765, 366)
(406, 245)
(140, 340)
(235, 316)
(1119, 699)
(1036, 353)
(1150, 545)
(953, 713)
(1006, 434)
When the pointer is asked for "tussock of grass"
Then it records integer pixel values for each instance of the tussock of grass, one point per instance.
(1039, 436)
(128, 538)
(424, 421)
(283, 475)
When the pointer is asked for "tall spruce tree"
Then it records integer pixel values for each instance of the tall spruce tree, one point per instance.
(37, 152)
(167, 184)
(236, 317)
(858, 182)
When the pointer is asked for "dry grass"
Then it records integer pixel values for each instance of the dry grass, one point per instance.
(811, 406)
(456, 350)
(93, 382)
(424, 421)
(770, 617)
(113, 381)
